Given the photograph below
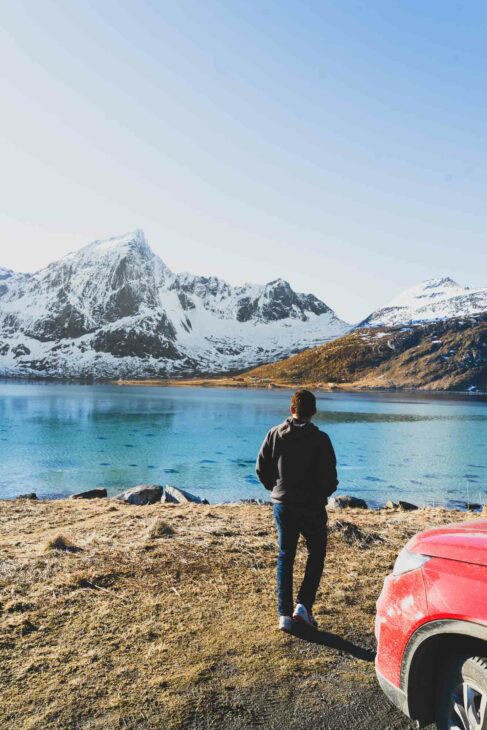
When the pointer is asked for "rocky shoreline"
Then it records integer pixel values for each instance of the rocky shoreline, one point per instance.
(146, 494)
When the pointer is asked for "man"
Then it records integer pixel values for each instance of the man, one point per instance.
(297, 464)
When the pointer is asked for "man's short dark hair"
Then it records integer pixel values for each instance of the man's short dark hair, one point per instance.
(303, 403)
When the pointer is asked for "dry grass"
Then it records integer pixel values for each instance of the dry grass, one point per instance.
(139, 631)
(63, 543)
(160, 528)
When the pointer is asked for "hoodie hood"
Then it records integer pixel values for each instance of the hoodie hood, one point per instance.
(290, 426)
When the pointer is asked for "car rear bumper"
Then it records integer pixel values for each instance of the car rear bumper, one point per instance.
(393, 693)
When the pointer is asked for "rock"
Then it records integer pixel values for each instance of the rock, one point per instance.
(353, 535)
(142, 494)
(345, 500)
(91, 494)
(30, 495)
(463, 505)
(173, 495)
(407, 506)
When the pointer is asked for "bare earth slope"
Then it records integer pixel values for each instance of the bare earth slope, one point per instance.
(442, 355)
(164, 617)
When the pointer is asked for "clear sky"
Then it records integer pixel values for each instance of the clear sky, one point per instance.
(340, 145)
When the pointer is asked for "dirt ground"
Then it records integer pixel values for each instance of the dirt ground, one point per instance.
(164, 617)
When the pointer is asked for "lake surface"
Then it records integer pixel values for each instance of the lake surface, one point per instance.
(57, 439)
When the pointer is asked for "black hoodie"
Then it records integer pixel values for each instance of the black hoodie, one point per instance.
(298, 464)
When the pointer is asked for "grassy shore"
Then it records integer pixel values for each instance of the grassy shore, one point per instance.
(116, 616)
(269, 383)
(238, 381)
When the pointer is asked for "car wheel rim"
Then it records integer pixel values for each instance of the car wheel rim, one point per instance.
(469, 708)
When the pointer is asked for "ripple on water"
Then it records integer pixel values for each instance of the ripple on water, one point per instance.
(171, 471)
(243, 463)
(373, 479)
(251, 479)
(207, 461)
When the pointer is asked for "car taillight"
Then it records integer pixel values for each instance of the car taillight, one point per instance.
(407, 561)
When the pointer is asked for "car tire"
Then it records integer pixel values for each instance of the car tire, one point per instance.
(462, 696)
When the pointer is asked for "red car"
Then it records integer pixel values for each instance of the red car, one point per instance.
(431, 628)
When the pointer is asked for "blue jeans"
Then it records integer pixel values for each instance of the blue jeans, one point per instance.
(291, 522)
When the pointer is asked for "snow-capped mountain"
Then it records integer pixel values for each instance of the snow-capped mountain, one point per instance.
(115, 309)
(434, 299)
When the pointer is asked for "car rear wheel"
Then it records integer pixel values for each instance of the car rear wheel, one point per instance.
(462, 699)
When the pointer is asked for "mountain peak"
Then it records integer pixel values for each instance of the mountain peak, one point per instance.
(436, 288)
(278, 284)
(443, 281)
(434, 299)
(133, 239)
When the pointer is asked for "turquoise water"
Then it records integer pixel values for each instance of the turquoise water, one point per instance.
(56, 439)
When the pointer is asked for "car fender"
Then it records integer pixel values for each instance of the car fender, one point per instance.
(419, 668)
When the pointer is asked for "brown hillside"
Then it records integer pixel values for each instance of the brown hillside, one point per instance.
(449, 355)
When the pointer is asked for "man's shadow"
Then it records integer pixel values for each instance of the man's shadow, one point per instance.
(326, 638)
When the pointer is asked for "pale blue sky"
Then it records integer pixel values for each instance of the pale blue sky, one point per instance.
(340, 145)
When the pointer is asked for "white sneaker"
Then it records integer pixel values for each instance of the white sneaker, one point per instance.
(304, 616)
(285, 623)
